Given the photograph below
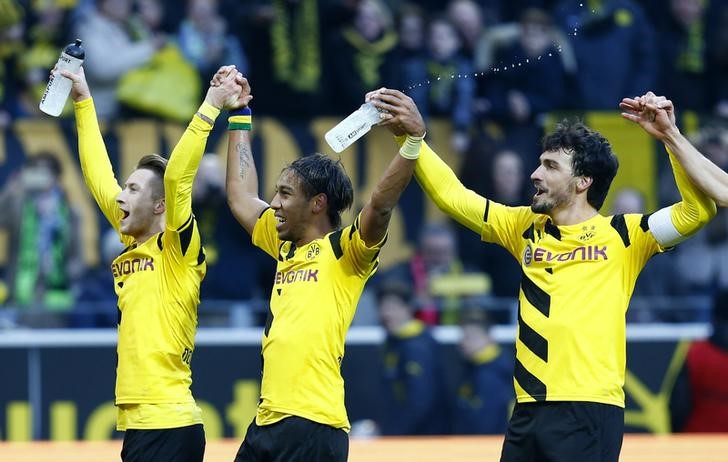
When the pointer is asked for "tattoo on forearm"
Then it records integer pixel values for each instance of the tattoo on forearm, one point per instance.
(244, 155)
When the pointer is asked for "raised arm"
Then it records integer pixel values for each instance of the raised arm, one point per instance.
(656, 115)
(95, 164)
(401, 114)
(241, 177)
(705, 174)
(186, 156)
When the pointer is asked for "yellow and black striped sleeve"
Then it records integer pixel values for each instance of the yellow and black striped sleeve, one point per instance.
(348, 244)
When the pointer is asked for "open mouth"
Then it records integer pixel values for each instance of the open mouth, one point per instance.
(539, 191)
(125, 215)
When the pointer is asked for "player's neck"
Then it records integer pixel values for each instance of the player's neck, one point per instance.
(572, 215)
(315, 230)
(151, 231)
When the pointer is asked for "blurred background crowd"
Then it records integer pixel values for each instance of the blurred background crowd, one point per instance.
(494, 69)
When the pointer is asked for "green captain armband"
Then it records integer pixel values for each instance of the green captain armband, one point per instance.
(240, 119)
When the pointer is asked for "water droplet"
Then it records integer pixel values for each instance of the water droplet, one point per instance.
(527, 60)
(438, 77)
(549, 54)
(519, 64)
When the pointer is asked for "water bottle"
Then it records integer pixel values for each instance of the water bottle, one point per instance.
(353, 127)
(56, 93)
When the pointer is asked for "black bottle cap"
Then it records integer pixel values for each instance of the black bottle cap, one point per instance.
(75, 49)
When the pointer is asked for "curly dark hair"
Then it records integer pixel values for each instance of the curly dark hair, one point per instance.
(321, 174)
(592, 156)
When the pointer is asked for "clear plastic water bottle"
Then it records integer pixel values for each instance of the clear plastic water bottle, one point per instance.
(58, 88)
(353, 127)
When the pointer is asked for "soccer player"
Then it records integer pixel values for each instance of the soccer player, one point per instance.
(157, 279)
(656, 115)
(578, 272)
(321, 272)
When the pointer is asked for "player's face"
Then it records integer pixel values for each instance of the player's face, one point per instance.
(292, 208)
(554, 181)
(139, 209)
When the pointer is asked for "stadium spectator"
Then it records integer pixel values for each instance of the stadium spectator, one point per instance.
(449, 81)
(105, 27)
(96, 301)
(697, 402)
(303, 343)
(436, 265)
(46, 257)
(527, 86)
(157, 279)
(47, 34)
(413, 399)
(501, 177)
(579, 268)
(683, 55)
(205, 41)
(365, 55)
(614, 45)
(485, 391)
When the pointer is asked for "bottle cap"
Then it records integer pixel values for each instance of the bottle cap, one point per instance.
(75, 49)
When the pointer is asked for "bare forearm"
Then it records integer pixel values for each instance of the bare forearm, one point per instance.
(710, 178)
(378, 212)
(241, 180)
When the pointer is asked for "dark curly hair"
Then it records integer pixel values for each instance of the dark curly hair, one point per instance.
(591, 156)
(321, 174)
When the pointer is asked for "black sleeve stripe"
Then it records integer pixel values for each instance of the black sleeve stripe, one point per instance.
(376, 255)
(645, 222)
(185, 223)
(291, 251)
(487, 209)
(262, 212)
(619, 224)
(159, 241)
(201, 257)
(552, 229)
(185, 237)
(529, 234)
(335, 239)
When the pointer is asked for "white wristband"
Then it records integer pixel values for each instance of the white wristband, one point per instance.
(411, 147)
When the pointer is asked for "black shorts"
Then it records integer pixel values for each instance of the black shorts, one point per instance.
(568, 431)
(184, 444)
(294, 439)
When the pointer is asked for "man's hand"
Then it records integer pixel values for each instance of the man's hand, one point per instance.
(79, 88)
(237, 101)
(224, 89)
(655, 114)
(400, 114)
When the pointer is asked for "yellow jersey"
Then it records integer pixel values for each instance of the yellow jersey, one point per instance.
(315, 293)
(157, 283)
(575, 286)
